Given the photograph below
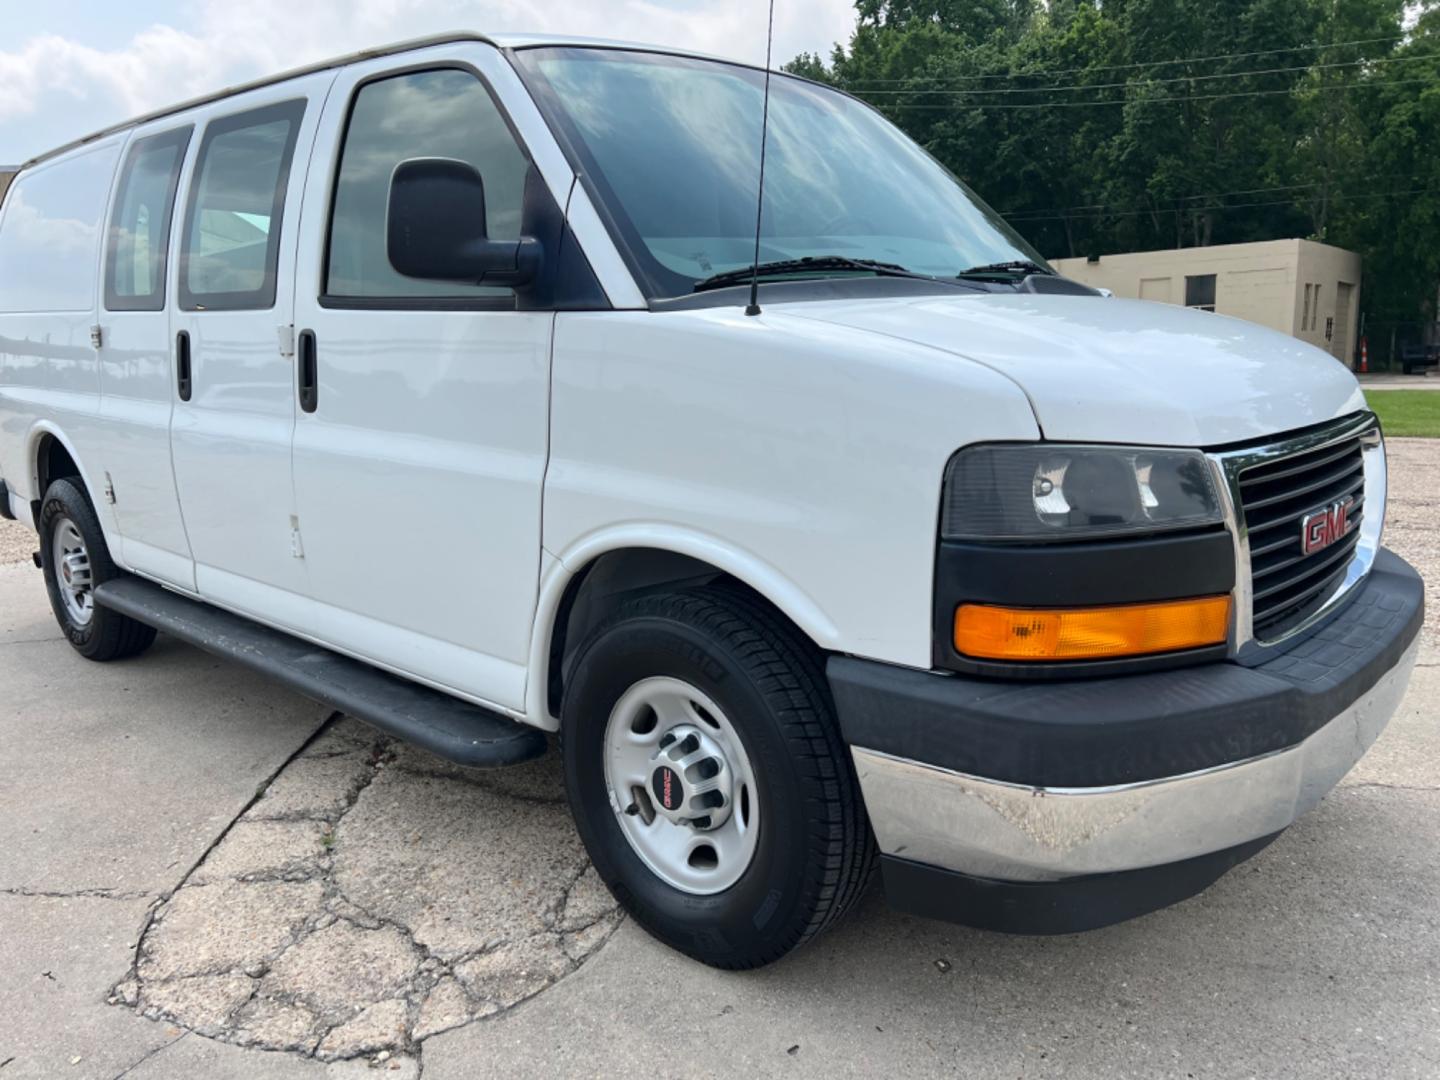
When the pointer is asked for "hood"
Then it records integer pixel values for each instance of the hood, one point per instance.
(1105, 370)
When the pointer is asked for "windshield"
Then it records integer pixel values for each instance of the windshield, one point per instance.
(672, 147)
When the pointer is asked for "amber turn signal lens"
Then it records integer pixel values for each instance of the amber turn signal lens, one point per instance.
(998, 633)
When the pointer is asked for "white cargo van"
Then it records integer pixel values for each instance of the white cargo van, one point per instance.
(424, 381)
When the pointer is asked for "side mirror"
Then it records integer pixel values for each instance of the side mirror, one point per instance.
(435, 228)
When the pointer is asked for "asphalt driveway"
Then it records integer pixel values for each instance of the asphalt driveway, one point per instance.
(204, 875)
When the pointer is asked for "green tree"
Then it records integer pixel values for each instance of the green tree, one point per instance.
(975, 19)
(1335, 102)
(1112, 125)
(1393, 218)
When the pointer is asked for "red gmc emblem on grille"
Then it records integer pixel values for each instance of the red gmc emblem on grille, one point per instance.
(1323, 527)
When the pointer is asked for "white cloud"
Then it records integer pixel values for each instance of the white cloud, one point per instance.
(128, 78)
(53, 88)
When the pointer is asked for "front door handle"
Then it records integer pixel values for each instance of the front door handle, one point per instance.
(309, 373)
(182, 364)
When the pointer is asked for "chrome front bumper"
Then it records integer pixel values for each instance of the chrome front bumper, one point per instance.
(1012, 832)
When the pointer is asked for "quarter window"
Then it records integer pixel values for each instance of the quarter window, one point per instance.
(445, 113)
(237, 198)
(50, 236)
(140, 223)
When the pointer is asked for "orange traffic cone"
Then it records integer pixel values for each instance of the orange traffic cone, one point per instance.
(1364, 356)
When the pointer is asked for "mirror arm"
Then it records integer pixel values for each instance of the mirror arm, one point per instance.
(527, 256)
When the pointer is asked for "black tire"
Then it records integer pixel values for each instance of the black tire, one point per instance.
(107, 635)
(814, 854)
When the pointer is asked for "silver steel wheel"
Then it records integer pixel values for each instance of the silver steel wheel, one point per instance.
(681, 785)
(72, 572)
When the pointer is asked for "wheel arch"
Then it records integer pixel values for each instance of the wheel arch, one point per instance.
(51, 456)
(580, 587)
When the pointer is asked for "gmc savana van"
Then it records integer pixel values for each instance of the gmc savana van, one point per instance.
(424, 382)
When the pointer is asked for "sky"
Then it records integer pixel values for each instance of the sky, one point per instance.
(69, 67)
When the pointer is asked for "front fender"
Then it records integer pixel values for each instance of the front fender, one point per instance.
(558, 571)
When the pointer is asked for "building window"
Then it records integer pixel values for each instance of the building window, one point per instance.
(1310, 314)
(1200, 292)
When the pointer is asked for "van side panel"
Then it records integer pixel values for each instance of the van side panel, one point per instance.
(49, 269)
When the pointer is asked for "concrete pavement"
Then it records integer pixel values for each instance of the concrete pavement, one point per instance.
(1319, 958)
(116, 779)
(188, 849)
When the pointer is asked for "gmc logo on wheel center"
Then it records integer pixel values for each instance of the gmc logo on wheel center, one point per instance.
(1320, 529)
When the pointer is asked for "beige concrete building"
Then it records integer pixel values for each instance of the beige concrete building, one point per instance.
(7, 173)
(1308, 290)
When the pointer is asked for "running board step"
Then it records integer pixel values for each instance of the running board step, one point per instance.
(448, 727)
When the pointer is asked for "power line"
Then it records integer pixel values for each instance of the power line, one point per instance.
(1017, 215)
(1148, 63)
(1076, 87)
(984, 107)
(1166, 211)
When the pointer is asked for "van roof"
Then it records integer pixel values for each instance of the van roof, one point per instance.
(502, 41)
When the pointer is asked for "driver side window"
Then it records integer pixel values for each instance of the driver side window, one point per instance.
(447, 113)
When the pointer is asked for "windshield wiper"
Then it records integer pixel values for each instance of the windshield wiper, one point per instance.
(820, 264)
(1022, 267)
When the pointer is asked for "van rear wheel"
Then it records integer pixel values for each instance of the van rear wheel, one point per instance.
(75, 559)
(708, 778)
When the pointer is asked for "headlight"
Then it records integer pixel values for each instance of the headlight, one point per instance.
(1056, 492)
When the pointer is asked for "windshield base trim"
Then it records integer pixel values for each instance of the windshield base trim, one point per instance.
(830, 288)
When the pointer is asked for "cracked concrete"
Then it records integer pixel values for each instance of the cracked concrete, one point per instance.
(116, 780)
(99, 893)
(369, 898)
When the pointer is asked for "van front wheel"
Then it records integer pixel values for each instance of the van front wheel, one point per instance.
(708, 778)
(76, 559)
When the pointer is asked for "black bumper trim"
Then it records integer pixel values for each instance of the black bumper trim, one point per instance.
(1086, 574)
(1069, 906)
(1133, 728)
(5, 502)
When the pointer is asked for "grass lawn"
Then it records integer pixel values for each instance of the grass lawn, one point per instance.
(1407, 412)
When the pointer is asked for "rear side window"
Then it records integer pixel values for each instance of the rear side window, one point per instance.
(50, 233)
(231, 246)
(446, 113)
(140, 223)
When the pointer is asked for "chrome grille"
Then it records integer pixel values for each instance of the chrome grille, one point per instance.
(1287, 585)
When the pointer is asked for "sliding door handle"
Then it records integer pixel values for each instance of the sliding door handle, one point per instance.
(182, 364)
(309, 373)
